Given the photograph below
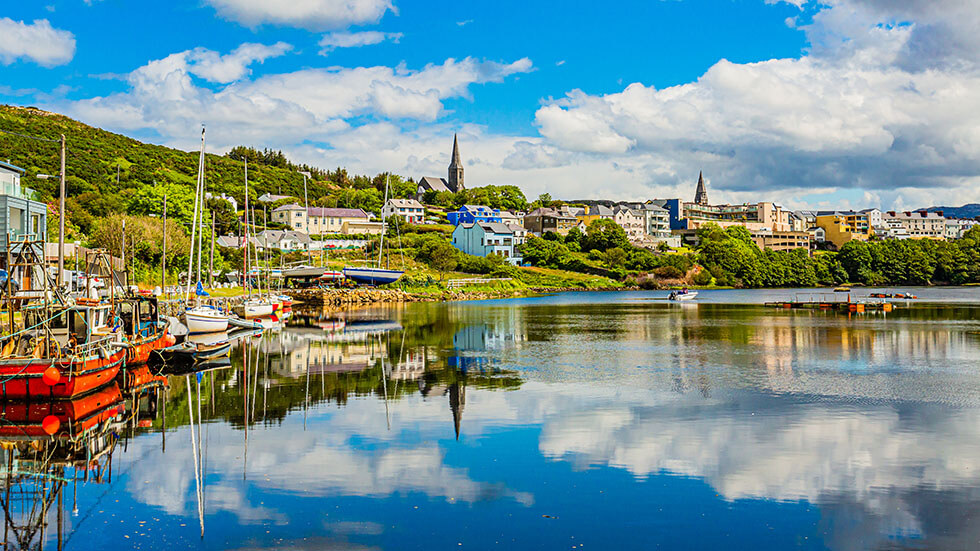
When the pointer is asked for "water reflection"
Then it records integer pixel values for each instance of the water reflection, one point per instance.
(619, 425)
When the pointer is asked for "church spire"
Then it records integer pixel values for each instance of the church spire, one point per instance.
(455, 183)
(701, 195)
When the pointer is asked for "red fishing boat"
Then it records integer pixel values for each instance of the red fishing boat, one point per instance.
(60, 354)
(144, 330)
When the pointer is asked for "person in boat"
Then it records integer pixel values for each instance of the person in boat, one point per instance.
(673, 295)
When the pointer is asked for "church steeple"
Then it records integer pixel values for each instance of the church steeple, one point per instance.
(455, 169)
(701, 195)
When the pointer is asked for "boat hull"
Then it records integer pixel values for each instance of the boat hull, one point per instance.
(140, 349)
(372, 276)
(255, 310)
(24, 378)
(205, 321)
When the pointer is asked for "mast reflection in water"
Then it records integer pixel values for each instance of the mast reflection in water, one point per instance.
(567, 421)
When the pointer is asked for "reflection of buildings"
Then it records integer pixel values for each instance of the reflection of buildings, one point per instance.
(481, 338)
(352, 346)
(410, 368)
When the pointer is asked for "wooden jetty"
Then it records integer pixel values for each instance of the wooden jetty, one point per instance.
(847, 305)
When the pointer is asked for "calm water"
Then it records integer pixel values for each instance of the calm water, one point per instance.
(575, 421)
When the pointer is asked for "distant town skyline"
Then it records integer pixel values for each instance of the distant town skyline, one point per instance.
(838, 104)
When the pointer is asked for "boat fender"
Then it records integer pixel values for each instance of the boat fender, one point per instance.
(51, 376)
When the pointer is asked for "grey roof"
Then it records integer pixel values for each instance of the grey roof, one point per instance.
(433, 183)
(455, 162)
(336, 212)
(291, 206)
(270, 198)
(496, 227)
(10, 167)
(515, 228)
(274, 237)
(229, 241)
(405, 203)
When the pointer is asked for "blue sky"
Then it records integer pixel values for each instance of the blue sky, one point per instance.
(845, 102)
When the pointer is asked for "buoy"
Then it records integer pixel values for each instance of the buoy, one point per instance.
(50, 424)
(51, 376)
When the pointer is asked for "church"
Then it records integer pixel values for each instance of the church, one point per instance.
(455, 182)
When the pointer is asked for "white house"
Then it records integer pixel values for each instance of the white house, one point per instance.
(920, 224)
(632, 221)
(486, 238)
(411, 210)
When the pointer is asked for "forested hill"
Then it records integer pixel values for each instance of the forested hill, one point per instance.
(95, 155)
(970, 210)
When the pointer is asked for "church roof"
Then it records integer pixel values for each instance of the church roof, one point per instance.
(701, 195)
(433, 183)
(455, 161)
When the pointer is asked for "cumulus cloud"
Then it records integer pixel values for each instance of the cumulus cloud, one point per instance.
(288, 108)
(880, 102)
(38, 42)
(317, 15)
(332, 41)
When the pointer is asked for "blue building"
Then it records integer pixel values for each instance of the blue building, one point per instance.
(20, 215)
(486, 238)
(470, 214)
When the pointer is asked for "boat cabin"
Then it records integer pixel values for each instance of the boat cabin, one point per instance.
(78, 324)
(140, 316)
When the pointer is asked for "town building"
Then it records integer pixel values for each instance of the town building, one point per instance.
(920, 224)
(468, 214)
(843, 226)
(452, 184)
(512, 217)
(783, 240)
(632, 221)
(596, 212)
(874, 217)
(317, 220)
(891, 229)
(409, 210)
(764, 216)
(362, 227)
(956, 227)
(281, 240)
(486, 238)
(20, 215)
(545, 219)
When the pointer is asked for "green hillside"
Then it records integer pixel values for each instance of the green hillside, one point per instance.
(95, 156)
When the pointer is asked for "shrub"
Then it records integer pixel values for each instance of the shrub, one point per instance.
(669, 272)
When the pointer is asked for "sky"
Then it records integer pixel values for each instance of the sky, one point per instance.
(833, 104)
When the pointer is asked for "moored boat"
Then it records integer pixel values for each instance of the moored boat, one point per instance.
(255, 308)
(144, 329)
(205, 319)
(372, 276)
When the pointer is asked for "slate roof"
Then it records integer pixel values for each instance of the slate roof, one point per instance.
(405, 203)
(291, 206)
(433, 183)
(330, 212)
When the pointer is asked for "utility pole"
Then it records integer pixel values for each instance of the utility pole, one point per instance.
(61, 219)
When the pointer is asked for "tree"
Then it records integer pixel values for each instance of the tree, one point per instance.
(443, 258)
(604, 234)
(148, 199)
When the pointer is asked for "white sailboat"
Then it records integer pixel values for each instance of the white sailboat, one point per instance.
(252, 307)
(202, 318)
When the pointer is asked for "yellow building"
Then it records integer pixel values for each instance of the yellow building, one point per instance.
(844, 226)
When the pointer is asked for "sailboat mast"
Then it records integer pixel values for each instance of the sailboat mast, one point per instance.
(245, 242)
(381, 246)
(197, 196)
(200, 233)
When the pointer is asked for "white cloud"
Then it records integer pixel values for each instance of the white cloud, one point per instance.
(279, 109)
(38, 42)
(879, 103)
(332, 41)
(317, 15)
(214, 67)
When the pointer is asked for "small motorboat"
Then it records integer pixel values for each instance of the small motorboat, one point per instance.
(304, 272)
(880, 295)
(906, 296)
(683, 294)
